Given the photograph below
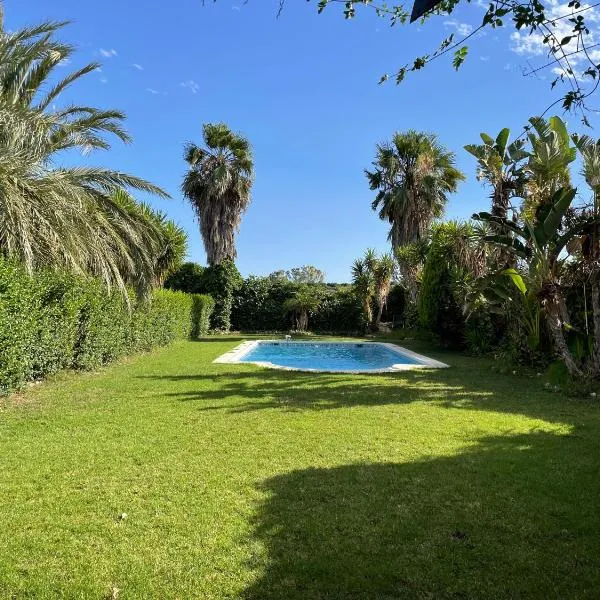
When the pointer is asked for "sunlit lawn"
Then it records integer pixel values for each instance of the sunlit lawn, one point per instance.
(239, 482)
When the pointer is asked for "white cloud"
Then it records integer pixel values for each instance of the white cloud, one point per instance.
(108, 53)
(64, 62)
(235, 7)
(533, 45)
(152, 91)
(461, 28)
(191, 85)
(484, 58)
(138, 67)
(103, 80)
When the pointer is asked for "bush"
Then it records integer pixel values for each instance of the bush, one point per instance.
(188, 278)
(259, 306)
(53, 320)
(221, 282)
(438, 309)
(202, 309)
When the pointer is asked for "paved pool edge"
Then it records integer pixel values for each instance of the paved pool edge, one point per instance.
(235, 357)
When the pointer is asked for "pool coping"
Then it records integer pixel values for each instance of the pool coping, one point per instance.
(235, 357)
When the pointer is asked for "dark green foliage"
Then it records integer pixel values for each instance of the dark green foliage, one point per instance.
(481, 333)
(54, 320)
(439, 311)
(340, 312)
(202, 308)
(188, 278)
(259, 306)
(221, 281)
(395, 305)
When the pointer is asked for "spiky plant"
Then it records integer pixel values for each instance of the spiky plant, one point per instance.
(383, 271)
(364, 285)
(413, 176)
(62, 216)
(217, 185)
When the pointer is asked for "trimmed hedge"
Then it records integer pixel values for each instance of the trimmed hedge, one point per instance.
(54, 320)
(259, 306)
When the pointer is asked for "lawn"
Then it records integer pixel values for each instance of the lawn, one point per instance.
(166, 476)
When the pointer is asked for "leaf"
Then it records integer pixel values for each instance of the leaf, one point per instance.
(566, 40)
(486, 139)
(516, 279)
(508, 242)
(502, 140)
(550, 216)
(459, 57)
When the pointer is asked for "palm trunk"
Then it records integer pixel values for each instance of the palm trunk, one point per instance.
(555, 311)
(379, 313)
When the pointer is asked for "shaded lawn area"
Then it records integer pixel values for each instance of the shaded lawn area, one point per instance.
(241, 482)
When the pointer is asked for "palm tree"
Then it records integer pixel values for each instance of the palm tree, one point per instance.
(62, 216)
(383, 271)
(413, 176)
(168, 240)
(217, 185)
(364, 283)
(305, 300)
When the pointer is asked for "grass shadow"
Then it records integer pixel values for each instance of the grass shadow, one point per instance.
(514, 517)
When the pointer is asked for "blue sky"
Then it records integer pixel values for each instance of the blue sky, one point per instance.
(303, 88)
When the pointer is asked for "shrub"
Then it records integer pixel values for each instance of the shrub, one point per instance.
(202, 308)
(258, 304)
(54, 320)
(188, 278)
(340, 312)
(438, 309)
(221, 282)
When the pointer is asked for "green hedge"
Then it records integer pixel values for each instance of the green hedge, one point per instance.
(258, 306)
(53, 320)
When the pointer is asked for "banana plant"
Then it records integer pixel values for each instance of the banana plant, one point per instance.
(500, 164)
(538, 245)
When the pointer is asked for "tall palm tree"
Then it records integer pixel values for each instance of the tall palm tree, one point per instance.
(217, 185)
(413, 176)
(62, 216)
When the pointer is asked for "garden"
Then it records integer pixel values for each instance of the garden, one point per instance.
(136, 465)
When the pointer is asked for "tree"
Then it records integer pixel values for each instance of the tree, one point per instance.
(500, 165)
(383, 271)
(540, 242)
(589, 242)
(187, 278)
(170, 240)
(217, 185)
(413, 176)
(63, 216)
(306, 299)
(306, 274)
(364, 283)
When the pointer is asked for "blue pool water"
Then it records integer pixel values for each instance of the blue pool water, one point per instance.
(327, 356)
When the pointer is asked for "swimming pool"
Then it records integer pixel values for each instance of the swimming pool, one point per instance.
(338, 357)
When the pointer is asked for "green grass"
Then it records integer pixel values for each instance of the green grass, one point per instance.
(240, 482)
